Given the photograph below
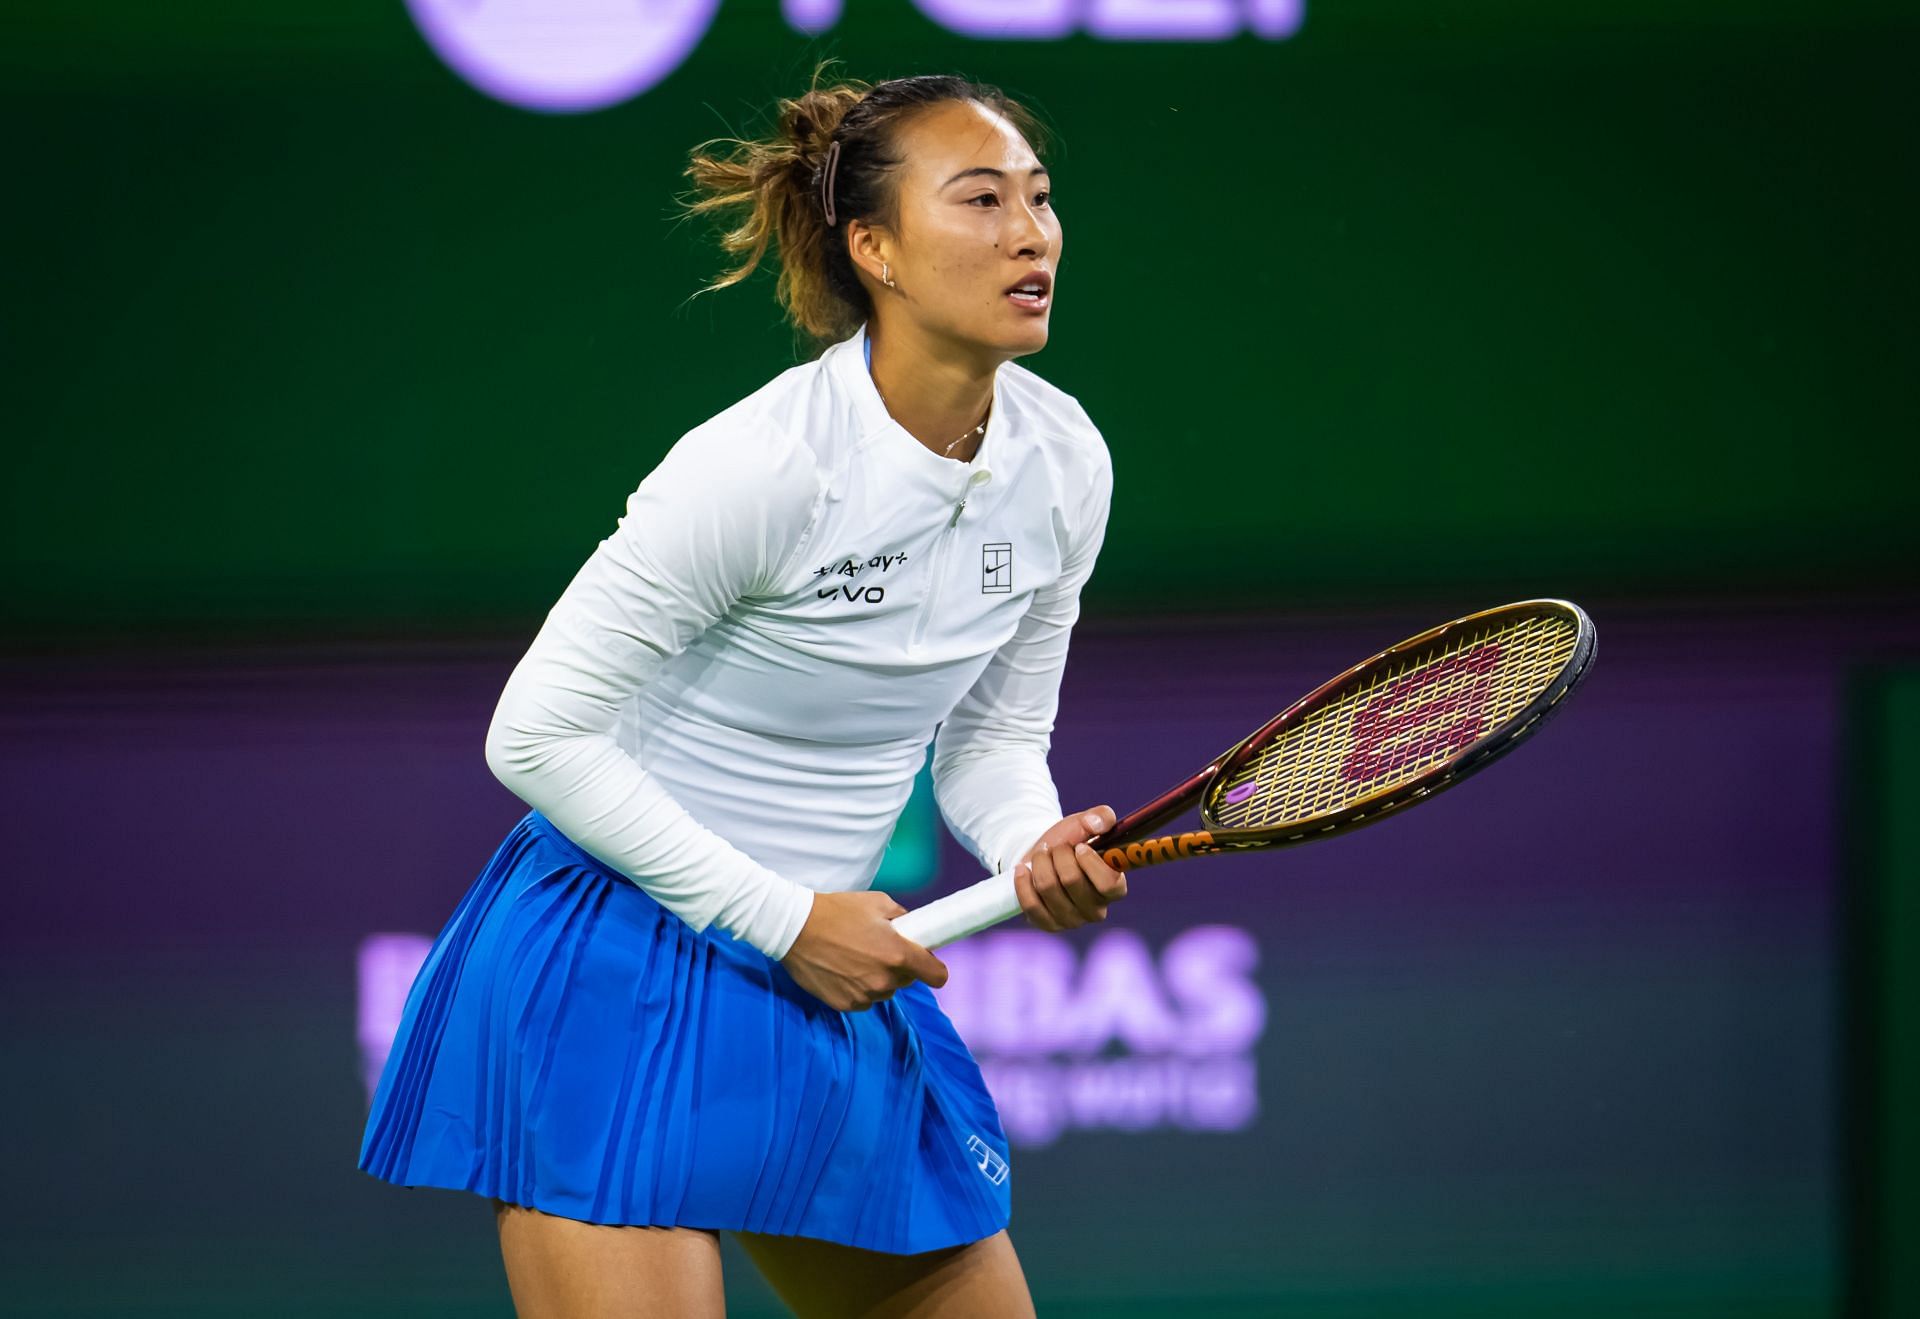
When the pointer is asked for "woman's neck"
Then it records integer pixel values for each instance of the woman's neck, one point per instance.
(936, 399)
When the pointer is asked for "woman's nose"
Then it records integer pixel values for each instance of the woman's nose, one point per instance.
(1029, 236)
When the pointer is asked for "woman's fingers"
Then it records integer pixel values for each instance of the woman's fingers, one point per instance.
(1030, 903)
(921, 964)
(1087, 904)
(1063, 883)
(1046, 887)
(1110, 883)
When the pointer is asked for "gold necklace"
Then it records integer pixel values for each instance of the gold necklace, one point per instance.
(948, 451)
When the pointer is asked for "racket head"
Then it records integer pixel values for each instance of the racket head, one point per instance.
(1400, 726)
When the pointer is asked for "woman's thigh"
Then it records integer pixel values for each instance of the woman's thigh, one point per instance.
(561, 1268)
(818, 1279)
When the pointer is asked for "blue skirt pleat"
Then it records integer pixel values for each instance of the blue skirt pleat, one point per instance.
(571, 1045)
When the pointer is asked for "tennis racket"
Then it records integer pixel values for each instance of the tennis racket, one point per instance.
(1390, 731)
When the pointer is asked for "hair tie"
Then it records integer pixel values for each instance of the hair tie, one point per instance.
(826, 181)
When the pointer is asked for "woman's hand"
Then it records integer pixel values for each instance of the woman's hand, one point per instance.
(850, 957)
(1061, 881)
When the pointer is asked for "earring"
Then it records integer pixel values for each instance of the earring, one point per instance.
(884, 279)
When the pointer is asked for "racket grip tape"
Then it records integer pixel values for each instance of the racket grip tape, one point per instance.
(967, 911)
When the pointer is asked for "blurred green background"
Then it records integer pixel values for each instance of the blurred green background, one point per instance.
(305, 332)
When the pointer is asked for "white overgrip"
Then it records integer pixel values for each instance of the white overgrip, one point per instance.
(959, 914)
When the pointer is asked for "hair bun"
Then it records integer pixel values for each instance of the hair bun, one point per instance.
(811, 119)
(808, 124)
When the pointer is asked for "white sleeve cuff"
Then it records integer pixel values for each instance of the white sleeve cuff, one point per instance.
(768, 912)
(1017, 839)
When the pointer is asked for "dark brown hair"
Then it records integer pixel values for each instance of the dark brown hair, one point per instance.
(774, 185)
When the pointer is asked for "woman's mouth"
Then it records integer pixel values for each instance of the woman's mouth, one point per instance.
(1034, 293)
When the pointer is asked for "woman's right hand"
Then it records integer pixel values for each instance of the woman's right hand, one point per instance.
(850, 957)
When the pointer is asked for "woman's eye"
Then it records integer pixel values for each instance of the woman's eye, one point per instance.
(1044, 198)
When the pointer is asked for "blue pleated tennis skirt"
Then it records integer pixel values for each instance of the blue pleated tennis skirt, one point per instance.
(571, 1045)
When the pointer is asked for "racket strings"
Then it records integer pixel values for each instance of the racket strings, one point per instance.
(1395, 723)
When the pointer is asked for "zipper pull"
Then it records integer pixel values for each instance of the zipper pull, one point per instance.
(980, 477)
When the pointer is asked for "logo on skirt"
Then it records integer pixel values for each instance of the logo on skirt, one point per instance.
(987, 1160)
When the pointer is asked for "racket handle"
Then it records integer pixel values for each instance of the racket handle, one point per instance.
(959, 914)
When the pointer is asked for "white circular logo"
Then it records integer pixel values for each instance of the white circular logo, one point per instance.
(563, 55)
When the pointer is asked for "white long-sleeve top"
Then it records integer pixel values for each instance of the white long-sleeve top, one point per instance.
(730, 700)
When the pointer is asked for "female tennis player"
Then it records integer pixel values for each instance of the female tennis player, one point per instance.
(671, 1005)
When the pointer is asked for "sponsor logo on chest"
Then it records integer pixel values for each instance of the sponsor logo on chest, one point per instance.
(843, 581)
(854, 581)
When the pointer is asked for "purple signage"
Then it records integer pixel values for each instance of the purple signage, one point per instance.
(563, 55)
(1116, 1037)
(576, 55)
(1117, 20)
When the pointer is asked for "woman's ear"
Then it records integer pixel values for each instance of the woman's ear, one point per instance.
(869, 248)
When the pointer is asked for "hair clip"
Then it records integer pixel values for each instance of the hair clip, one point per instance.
(826, 181)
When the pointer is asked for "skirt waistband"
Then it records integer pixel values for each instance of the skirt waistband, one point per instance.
(553, 833)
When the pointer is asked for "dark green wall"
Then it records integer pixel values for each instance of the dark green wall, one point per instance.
(305, 333)
(1883, 952)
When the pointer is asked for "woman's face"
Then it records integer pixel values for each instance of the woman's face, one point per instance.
(976, 219)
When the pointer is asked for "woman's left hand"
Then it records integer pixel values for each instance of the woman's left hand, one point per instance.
(1062, 882)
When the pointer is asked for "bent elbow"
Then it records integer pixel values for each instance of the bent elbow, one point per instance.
(499, 753)
(510, 750)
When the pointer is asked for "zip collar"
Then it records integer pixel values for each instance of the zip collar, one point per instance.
(847, 360)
